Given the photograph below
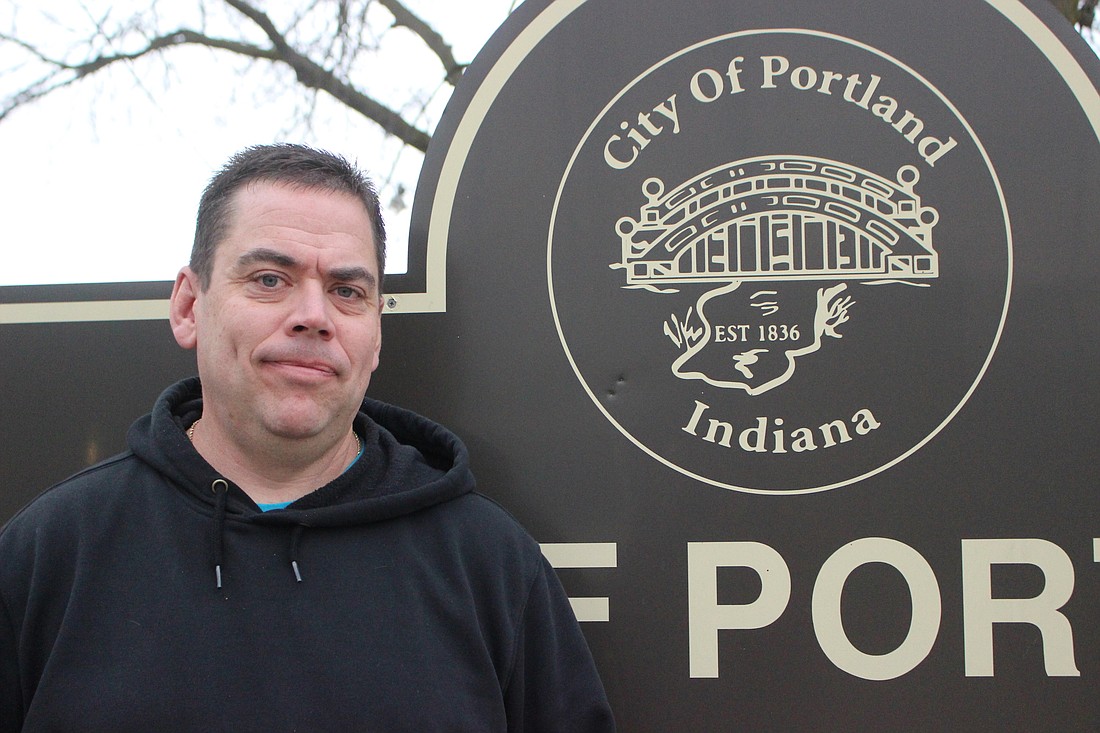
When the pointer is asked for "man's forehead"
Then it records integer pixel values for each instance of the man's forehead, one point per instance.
(291, 200)
(269, 218)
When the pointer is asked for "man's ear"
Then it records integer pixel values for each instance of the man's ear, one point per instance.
(378, 341)
(181, 309)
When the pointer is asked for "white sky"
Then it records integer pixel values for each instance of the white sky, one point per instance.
(101, 180)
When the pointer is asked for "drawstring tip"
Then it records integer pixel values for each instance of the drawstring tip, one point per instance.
(218, 575)
(297, 575)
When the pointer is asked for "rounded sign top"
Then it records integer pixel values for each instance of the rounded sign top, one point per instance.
(795, 243)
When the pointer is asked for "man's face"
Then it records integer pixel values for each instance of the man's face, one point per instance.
(289, 330)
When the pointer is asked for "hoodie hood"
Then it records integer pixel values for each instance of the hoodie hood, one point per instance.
(408, 463)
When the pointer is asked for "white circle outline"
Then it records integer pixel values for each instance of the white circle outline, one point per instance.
(1081, 86)
(775, 31)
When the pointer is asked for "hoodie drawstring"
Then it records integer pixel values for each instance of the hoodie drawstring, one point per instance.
(295, 538)
(220, 487)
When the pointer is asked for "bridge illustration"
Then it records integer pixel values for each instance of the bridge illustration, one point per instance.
(780, 217)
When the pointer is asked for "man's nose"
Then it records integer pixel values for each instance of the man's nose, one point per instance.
(311, 313)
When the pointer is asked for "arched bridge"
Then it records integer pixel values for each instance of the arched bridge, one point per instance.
(780, 217)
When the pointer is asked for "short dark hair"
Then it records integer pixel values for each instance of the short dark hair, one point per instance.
(285, 163)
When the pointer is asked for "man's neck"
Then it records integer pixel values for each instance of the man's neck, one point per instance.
(274, 469)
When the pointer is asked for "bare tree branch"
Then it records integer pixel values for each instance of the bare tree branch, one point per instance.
(1086, 16)
(65, 74)
(314, 76)
(35, 91)
(1079, 13)
(404, 17)
(337, 51)
(177, 38)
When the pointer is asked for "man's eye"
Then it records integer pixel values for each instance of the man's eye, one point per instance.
(269, 281)
(345, 291)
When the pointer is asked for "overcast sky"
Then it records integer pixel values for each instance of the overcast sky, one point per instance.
(101, 180)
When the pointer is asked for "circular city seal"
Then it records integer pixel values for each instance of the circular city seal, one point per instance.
(796, 243)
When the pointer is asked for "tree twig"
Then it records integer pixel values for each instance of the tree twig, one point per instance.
(402, 16)
(314, 76)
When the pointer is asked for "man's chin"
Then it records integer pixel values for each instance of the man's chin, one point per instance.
(300, 419)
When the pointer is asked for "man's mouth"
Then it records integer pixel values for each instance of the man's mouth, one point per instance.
(303, 369)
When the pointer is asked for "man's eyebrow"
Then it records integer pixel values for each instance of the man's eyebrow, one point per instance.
(262, 255)
(265, 256)
(353, 274)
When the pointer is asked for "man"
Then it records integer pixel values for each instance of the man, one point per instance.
(275, 552)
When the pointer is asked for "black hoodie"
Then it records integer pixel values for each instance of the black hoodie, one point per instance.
(146, 593)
